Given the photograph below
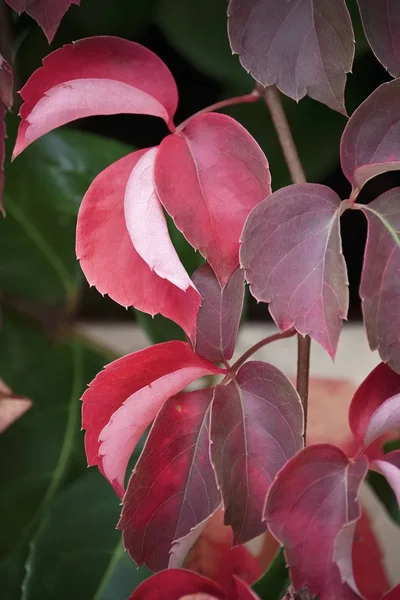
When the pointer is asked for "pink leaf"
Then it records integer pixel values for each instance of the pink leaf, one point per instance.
(256, 426)
(381, 22)
(126, 396)
(12, 407)
(385, 419)
(303, 47)
(219, 314)
(147, 225)
(48, 13)
(212, 173)
(172, 489)
(292, 256)
(6, 83)
(175, 584)
(95, 76)
(371, 140)
(390, 468)
(311, 509)
(380, 385)
(380, 281)
(111, 263)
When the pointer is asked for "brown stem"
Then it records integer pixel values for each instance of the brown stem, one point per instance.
(273, 101)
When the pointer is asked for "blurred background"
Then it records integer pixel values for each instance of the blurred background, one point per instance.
(57, 537)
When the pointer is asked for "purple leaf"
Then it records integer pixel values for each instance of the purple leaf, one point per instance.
(219, 314)
(292, 256)
(311, 510)
(380, 281)
(390, 468)
(256, 426)
(371, 140)
(303, 47)
(172, 489)
(381, 22)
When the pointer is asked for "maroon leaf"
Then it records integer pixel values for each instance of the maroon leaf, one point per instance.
(292, 256)
(390, 468)
(12, 407)
(96, 76)
(394, 594)
(256, 426)
(380, 281)
(6, 83)
(110, 261)
(175, 584)
(172, 489)
(311, 509)
(48, 13)
(125, 397)
(303, 47)
(212, 174)
(380, 385)
(219, 314)
(381, 21)
(371, 140)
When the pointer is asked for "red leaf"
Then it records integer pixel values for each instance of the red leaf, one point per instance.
(256, 426)
(380, 281)
(12, 407)
(394, 594)
(219, 315)
(126, 396)
(172, 489)
(390, 468)
(380, 385)
(175, 584)
(244, 591)
(303, 47)
(292, 256)
(95, 76)
(147, 226)
(48, 13)
(370, 143)
(109, 260)
(212, 173)
(381, 23)
(311, 509)
(6, 83)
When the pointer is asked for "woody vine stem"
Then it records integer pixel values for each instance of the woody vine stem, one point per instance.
(274, 103)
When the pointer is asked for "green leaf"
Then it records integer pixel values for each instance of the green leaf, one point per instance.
(44, 188)
(275, 581)
(44, 449)
(77, 552)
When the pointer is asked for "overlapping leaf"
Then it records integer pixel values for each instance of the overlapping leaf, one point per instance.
(390, 468)
(381, 22)
(12, 407)
(219, 314)
(312, 508)
(371, 140)
(212, 173)
(95, 76)
(48, 13)
(292, 255)
(172, 489)
(303, 47)
(175, 584)
(256, 426)
(126, 396)
(111, 263)
(380, 281)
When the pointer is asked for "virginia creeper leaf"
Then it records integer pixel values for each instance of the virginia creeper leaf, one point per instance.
(147, 225)
(380, 280)
(6, 83)
(390, 468)
(311, 509)
(381, 24)
(212, 173)
(394, 594)
(370, 142)
(47, 13)
(380, 385)
(385, 419)
(175, 584)
(12, 407)
(95, 76)
(243, 590)
(219, 314)
(256, 426)
(126, 396)
(292, 256)
(172, 489)
(304, 47)
(111, 263)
